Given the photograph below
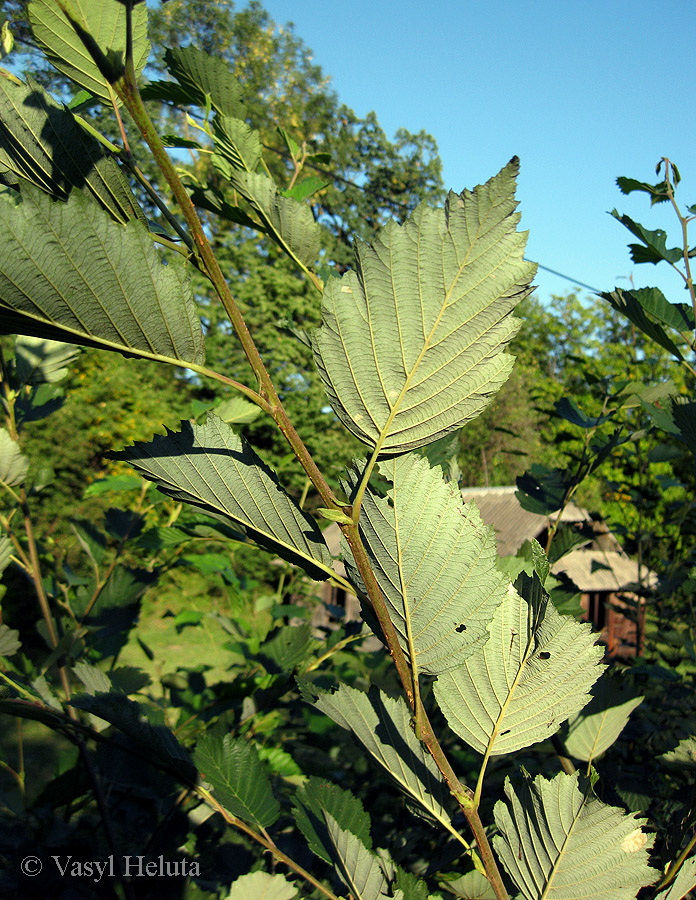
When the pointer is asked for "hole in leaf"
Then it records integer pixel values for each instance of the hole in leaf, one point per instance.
(544, 654)
(460, 628)
(507, 731)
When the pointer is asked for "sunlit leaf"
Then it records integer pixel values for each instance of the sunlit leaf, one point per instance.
(435, 562)
(201, 75)
(240, 784)
(68, 272)
(9, 638)
(559, 842)
(683, 756)
(412, 342)
(520, 686)
(237, 142)
(289, 223)
(13, 464)
(625, 303)
(383, 726)
(682, 884)
(358, 868)
(38, 361)
(40, 141)
(261, 886)
(594, 729)
(105, 21)
(214, 468)
(347, 811)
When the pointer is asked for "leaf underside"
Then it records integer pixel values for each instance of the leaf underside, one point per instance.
(70, 273)
(411, 345)
(214, 468)
(560, 843)
(41, 142)
(383, 726)
(105, 20)
(595, 728)
(515, 690)
(358, 868)
(435, 562)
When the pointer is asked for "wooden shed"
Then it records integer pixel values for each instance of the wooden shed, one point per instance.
(607, 578)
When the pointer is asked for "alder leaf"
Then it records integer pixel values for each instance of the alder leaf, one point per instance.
(68, 272)
(411, 345)
(559, 842)
(358, 868)
(105, 21)
(261, 886)
(214, 468)
(13, 464)
(237, 775)
(202, 75)
(41, 142)
(237, 142)
(289, 223)
(435, 562)
(682, 884)
(591, 732)
(39, 361)
(318, 796)
(383, 727)
(524, 682)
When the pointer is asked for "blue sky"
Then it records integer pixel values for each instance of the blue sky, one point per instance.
(581, 92)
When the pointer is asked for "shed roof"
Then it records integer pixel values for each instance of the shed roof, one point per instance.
(514, 525)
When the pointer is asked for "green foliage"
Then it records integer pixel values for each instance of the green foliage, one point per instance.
(238, 742)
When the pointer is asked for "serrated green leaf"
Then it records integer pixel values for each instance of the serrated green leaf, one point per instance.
(357, 867)
(105, 21)
(9, 640)
(684, 418)
(213, 200)
(13, 464)
(568, 409)
(93, 678)
(279, 762)
(289, 646)
(233, 768)
(625, 303)
(677, 315)
(6, 550)
(290, 224)
(261, 886)
(156, 741)
(39, 361)
(201, 75)
(658, 192)
(411, 345)
(682, 884)
(114, 483)
(383, 727)
(70, 273)
(653, 248)
(319, 795)
(214, 468)
(520, 686)
(559, 842)
(543, 490)
(306, 188)
(594, 729)
(435, 562)
(566, 538)
(237, 411)
(472, 886)
(683, 756)
(41, 141)
(237, 142)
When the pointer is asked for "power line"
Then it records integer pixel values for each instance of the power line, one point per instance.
(393, 202)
